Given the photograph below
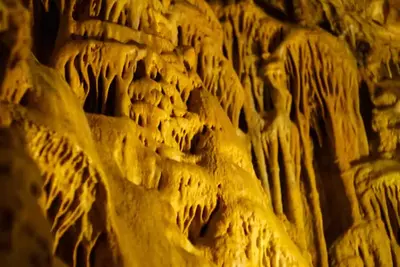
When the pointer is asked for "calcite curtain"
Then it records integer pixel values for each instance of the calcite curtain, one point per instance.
(199, 133)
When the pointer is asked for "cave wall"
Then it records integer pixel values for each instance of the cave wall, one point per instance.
(199, 133)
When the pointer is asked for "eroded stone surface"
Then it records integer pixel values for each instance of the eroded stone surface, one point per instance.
(187, 133)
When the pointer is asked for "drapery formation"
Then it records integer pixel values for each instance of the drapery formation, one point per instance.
(194, 133)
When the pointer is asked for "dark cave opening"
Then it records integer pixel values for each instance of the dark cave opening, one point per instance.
(366, 108)
(45, 30)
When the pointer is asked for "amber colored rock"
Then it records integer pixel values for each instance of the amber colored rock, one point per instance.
(195, 133)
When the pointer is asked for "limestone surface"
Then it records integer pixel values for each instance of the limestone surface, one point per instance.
(199, 133)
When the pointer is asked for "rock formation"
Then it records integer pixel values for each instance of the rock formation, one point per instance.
(195, 133)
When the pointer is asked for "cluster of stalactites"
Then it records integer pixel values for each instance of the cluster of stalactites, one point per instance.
(215, 71)
(323, 90)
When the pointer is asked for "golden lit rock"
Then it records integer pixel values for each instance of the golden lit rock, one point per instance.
(199, 133)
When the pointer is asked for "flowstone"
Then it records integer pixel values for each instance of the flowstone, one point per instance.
(195, 133)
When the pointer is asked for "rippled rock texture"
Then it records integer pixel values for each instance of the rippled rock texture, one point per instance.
(195, 133)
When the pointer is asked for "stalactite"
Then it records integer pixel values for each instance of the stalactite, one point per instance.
(254, 133)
